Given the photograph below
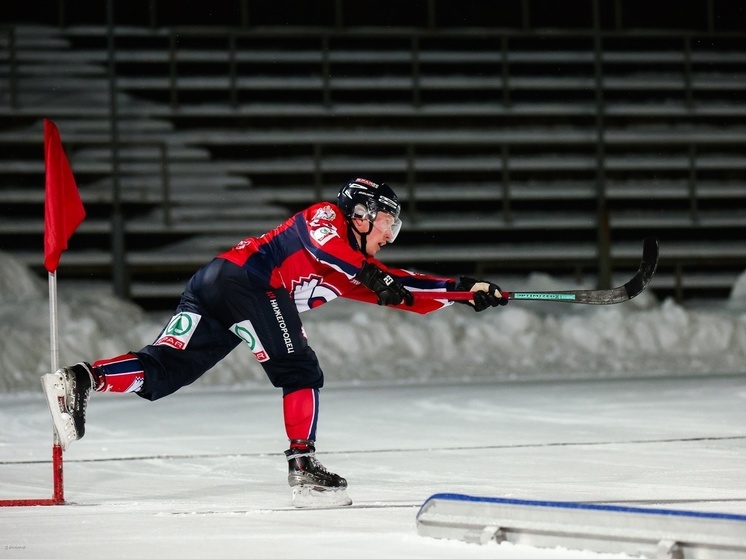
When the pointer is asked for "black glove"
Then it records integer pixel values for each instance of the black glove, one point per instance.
(389, 291)
(486, 294)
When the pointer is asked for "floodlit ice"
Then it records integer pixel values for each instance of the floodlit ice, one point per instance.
(505, 403)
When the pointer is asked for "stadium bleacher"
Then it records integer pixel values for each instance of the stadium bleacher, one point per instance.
(515, 149)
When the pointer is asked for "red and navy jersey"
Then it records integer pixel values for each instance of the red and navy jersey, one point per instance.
(313, 256)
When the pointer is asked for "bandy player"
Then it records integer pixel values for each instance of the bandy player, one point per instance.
(254, 293)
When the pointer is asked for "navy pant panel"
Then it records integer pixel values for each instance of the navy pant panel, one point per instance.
(232, 294)
(222, 294)
(292, 363)
(167, 369)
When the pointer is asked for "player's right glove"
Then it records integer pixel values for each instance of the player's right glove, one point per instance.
(389, 291)
(486, 294)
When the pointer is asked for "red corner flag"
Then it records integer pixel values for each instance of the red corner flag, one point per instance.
(63, 209)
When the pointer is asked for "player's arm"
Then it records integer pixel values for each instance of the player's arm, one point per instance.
(486, 294)
(397, 287)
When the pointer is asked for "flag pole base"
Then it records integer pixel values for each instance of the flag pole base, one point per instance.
(58, 496)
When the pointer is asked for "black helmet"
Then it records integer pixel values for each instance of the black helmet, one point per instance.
(363, 199)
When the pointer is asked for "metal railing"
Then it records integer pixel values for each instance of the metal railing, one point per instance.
(502, 56)
(505, 39)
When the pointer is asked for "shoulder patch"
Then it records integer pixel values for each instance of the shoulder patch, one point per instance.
(323, 234)
(325, 213)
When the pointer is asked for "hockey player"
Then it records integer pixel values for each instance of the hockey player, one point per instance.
(254, 293)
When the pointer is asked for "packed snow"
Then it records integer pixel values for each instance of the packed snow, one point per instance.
(358, 343)
(640, 403)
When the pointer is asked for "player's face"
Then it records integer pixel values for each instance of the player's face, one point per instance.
(384, 230)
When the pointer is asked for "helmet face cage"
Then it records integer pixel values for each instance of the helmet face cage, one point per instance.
(363, 199)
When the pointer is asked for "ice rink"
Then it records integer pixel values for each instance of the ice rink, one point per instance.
(201, 474)
(642, 403)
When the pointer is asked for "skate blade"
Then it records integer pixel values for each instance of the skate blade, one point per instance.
(307, 496)
(54, 390)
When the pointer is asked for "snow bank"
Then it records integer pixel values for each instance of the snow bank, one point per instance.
(360, 343)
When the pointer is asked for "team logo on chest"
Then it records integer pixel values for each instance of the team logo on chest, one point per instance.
(310, 293)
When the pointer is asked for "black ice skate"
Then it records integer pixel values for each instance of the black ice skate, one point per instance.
(68, 391)
(313, 485)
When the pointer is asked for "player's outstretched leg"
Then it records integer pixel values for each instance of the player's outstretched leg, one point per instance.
(313, 485)
(67, 391)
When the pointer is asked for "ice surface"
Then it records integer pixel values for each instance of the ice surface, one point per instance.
(201, 474)
(642, 403)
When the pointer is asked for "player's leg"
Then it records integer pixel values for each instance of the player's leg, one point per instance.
(275, 332)
(191, 343)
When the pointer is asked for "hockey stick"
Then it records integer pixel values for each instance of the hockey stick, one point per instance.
(625, 292)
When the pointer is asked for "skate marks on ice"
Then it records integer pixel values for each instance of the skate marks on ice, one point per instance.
(203, 456)
(180, 484)
(358, 505)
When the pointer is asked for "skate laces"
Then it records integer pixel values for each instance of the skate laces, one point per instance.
(312, 462)
(297, 453)
(71, 384)
(78, 390)
(306, 461)
(318, 466)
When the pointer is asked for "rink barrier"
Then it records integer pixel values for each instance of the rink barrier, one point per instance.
(652, 532)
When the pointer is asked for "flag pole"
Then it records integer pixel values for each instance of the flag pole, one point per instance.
(58, 494)
(53, 320)
(63, 213)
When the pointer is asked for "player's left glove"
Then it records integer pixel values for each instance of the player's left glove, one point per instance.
(389, 291)
(486, 294)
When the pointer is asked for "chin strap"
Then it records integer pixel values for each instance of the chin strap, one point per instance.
(363, 236)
